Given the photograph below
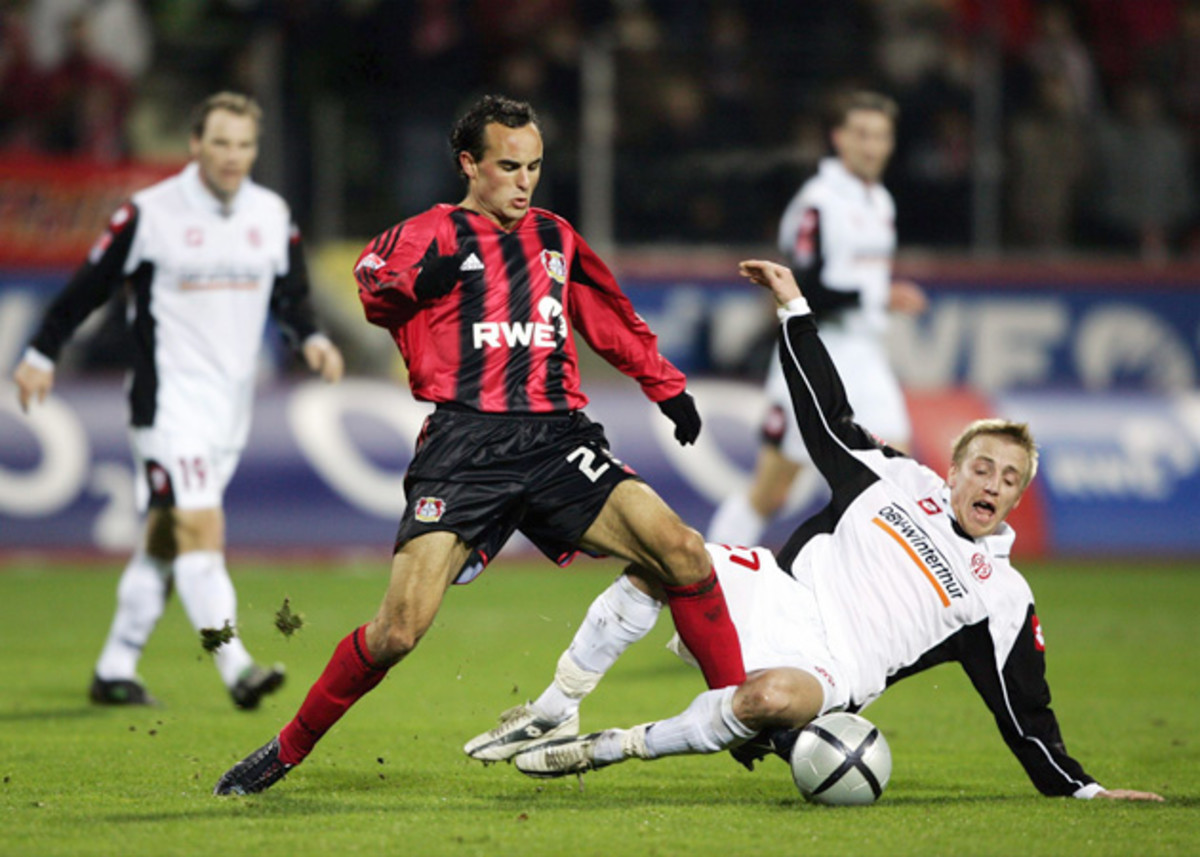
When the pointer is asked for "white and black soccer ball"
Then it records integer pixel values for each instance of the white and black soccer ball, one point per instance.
(841, 759)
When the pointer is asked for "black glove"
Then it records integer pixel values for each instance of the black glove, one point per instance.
(681, 410)
(439, 275)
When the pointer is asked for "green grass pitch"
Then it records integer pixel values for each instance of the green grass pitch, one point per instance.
(390, 778)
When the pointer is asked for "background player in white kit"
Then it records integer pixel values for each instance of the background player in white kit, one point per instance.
(839, 236)
(902, 571)
(204, 255)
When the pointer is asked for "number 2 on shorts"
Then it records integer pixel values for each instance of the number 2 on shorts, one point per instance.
(587, 461)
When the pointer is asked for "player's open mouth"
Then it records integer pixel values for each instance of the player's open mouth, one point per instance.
(986, 508)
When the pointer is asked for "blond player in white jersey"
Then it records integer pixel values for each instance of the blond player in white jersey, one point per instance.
(839, 236)
(902, 571)
(204, 255)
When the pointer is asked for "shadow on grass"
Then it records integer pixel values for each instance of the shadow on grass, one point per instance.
(284, 805)
(331, 791)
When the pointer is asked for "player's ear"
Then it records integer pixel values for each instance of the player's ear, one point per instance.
(194, 146)
(467, 164)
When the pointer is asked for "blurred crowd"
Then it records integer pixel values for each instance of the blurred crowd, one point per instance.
(718, 111)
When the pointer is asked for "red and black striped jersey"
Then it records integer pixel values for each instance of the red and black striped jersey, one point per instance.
(500, 341)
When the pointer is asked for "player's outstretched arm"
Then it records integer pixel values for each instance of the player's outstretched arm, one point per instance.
(33, 384)
(778, 279)
(1128, 794)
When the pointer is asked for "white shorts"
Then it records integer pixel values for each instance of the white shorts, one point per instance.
(174, 471)
(871, 388)
(777, 620)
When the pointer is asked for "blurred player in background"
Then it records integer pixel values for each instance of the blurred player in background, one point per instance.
(481, 298)
(839, 236)
(204, 255)
(902, 571)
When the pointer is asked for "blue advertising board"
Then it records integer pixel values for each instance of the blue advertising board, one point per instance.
(1105, 373)
(323, 470)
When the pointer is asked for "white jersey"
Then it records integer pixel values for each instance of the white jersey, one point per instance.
(839, 234)
(203, 276)
(883, 582)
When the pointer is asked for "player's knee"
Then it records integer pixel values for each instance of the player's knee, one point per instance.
(774, 499)
(392, 642)
(770, 698)
(683, 555)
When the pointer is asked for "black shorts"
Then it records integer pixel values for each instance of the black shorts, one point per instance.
(484, 476)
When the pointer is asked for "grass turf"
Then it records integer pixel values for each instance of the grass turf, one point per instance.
(81, 780)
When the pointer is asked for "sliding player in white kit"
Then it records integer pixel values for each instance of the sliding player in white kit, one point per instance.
(205, 254)
(902, 571)
(839, 236)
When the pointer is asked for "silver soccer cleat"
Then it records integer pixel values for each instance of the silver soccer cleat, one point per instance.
(578, 755)
(520, 728)
(559, 758)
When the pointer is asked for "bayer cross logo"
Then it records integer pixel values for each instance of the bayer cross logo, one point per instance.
(853, 760)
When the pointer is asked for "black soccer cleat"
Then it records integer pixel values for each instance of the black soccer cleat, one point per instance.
(121, 691)
(758, 747)
(255, 773)
(254, 684)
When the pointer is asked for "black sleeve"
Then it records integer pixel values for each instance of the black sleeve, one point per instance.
(1019, 699)
(290, 301)
(92, 284)
(823, 413)
(827, 425)
(823, 300)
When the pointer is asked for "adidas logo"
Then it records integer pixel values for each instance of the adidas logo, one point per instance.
(471, 263)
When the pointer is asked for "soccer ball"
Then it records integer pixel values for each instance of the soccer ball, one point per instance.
(841, 759)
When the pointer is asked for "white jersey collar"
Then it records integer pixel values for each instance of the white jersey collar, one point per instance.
(833, 170)
(200, 196)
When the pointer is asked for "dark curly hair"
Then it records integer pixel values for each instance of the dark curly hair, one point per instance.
(467, 135)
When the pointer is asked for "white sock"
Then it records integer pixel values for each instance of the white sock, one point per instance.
(616, 745)
(707, 726)
(141, 597)
(208, 597)
(620, 616)
(736, 522)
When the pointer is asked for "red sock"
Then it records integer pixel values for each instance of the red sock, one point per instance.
(348, 676)
(702, 620)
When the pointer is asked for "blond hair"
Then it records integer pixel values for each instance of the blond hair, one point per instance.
(1018, 433)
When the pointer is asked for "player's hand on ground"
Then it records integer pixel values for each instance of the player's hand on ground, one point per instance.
(1128, 794)
(439, 275)
(907, 297)
(33, 384)
(681, 410)
(324, 358)
(779, 279)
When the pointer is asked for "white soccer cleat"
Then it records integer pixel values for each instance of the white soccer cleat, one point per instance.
(559, 758)
(520, 729)
(578, 755)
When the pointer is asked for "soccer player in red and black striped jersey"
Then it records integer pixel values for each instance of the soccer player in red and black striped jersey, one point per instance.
(481, 298)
